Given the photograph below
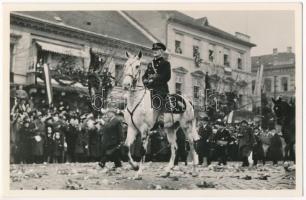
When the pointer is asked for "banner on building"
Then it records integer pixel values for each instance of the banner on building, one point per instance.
(48, 83)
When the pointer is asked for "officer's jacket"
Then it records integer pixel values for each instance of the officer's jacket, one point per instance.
(222, 135)
(205, 132)
(156, 78)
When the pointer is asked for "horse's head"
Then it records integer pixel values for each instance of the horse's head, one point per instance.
(281, 109)
(132, 70)
(96, 61)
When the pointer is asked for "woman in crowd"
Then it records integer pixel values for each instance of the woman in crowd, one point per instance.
(37, 141)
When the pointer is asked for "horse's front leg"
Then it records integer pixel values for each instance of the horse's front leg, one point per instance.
(144, 149)
(131, 135)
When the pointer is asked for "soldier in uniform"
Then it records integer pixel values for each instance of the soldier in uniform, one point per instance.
(205, 132)
(157, 75)
(222, 139)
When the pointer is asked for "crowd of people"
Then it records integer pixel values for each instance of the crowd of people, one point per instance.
(222, 142)
(59, 135)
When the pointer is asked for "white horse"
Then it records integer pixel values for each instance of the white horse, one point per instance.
(141, 117)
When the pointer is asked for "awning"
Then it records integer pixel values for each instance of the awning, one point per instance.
(61, 49)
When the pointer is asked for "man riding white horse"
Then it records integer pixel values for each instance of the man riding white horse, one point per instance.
(157, 75)
(156, 78)
(141, 116)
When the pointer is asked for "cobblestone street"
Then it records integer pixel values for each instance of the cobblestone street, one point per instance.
(89, 176)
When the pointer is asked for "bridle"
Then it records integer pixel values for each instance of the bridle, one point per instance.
(135, 78)
(133, 89)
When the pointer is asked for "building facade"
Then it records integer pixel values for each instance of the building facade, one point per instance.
(196, 48)
(64, 40)
(278, 73)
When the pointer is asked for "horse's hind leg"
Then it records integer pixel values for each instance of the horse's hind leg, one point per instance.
(171, 135)
(189, 132)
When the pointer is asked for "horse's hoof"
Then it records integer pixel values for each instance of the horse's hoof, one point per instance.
(194, 174)
(136, 168)
(165, 175)
(137, 177)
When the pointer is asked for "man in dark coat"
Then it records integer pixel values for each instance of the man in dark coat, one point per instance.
(157, 75)
(275, 150)
(222, 138)
(205, 133)
(111, 140)
(258, 151)
(181, 152)
(25, 133)
(37, 141)
(246, 142)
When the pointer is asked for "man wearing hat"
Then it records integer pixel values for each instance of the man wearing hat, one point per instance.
(157, 75)
(222, 139)
(205, 132)
(111, 139)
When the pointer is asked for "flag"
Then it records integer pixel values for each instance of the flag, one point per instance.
(258, 86)
(112, 70)
(48, 83)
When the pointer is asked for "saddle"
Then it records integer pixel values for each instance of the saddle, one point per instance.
(172, 103)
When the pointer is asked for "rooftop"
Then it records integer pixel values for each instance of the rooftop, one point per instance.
(179, 17)
(107, 23)
(281, 59)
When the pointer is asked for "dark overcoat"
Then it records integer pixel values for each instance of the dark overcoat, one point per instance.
(204, 142)
(38, 146)
(112, 135)
(275, 149)
(246, 141)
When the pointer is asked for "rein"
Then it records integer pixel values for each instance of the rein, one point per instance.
(132, 112)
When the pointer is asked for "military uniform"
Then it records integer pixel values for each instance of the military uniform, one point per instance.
(205, 133)
(157, 75)
(222, 138)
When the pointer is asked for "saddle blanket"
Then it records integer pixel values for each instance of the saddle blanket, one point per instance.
(172, 103)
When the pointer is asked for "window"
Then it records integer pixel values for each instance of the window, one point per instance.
(239, 61)
(178, 43)
(211, 53)
(196, 47)
(196, 88)
(196, 50)
(268, 85)
(179, 84)
(118, 74)
(196, 53)
(196, 92)
(226, 58)
(178, 88)
(284, 82)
